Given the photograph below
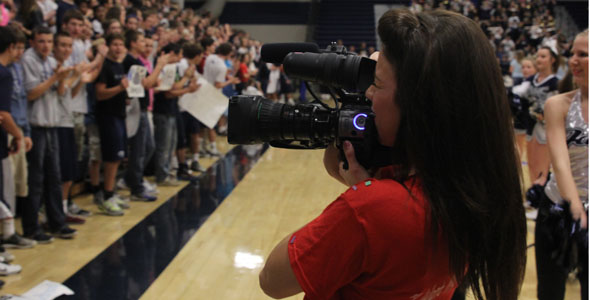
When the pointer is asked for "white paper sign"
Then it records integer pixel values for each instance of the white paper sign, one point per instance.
(167, 77)
(46, 290)
(133, 111)
(135, 76)
(207, 104)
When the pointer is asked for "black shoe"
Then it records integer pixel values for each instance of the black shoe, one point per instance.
(196, 167)
(19, 242)
(182, 173)
(65, 233)
(222, 132)
(41, 238)
(185, 176)
(1, 283)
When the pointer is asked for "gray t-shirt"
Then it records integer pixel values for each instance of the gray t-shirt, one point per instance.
(42, 111)
(79, 103)
(65, 103)
(214, 69)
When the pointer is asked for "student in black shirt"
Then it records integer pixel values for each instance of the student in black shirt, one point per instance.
(111, 94)
(139, 153)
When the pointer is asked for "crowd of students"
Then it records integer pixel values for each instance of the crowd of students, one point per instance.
(65, 72)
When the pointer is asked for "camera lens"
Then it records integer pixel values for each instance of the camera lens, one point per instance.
(254, 119)
(350, 72)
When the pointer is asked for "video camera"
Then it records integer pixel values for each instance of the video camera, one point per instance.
(255, 119)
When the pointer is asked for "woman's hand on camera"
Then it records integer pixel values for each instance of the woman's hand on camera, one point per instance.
(355, 173)
(332, 162)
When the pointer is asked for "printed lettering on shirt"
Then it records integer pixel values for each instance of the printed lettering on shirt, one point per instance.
(576, 137)
(135, 76)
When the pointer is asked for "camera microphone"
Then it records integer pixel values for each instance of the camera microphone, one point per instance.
(275, 53)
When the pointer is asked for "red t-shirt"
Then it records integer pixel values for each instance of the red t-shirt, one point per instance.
(201, 66)
(243, 72)
(371, 243)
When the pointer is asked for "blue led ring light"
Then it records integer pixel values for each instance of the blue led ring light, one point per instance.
(354, 121)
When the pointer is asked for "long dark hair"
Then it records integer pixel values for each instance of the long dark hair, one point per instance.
(456, 134)
(26, 9)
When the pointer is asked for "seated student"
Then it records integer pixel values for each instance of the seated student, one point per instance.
(10, 239)
(111, 96)
(188, 126)
(42, 76)
(139, 153)
(165, 110)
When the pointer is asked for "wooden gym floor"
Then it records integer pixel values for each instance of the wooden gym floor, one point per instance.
(198, 240)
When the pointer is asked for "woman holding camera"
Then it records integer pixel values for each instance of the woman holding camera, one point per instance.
(450, 213)
(567, 137)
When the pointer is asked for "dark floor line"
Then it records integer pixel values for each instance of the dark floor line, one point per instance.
(127, 268)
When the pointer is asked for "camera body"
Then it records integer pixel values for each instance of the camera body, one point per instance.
(254, 119)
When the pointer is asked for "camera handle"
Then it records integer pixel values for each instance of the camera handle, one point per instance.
(368, 151)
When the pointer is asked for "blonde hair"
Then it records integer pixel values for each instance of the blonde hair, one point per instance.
(529, 58)
(583, 33)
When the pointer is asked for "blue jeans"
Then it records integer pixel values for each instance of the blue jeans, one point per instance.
(44, 182)
(165, 137)
(141, 149)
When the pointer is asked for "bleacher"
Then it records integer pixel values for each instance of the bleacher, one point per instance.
(578, 11)
(351, 21)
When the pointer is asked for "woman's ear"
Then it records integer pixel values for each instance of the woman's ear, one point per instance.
(375, 56)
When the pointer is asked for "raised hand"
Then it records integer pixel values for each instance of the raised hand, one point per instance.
(193, 86)
(62, 72)
(163, 59)
(103, 50)
(124, 83)
(190, 72)
(86, 77)
(80, 68)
